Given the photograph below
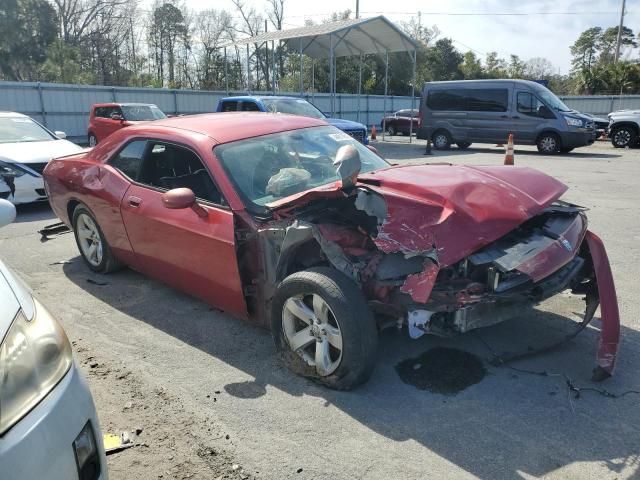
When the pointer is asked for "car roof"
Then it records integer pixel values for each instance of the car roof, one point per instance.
(12, 114)
(124, 104)
(230, 126)
(261, 97)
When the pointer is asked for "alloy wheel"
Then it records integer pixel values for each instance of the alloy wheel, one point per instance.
(89, 239)
(548, 144)
(312, 331)
(440, 141)
(622, 138)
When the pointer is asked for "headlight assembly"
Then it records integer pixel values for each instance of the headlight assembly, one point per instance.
(10, 170)
(573, 122)
(34, 356)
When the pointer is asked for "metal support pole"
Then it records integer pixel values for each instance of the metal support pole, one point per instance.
(619, 38)
(273, 61)
(413, 96)
(301, 69)
(43, 112)
(386, 85)
(313, 80)
(331, 73)
(359, 85)
(175, 102)
(226, 73)
(248, 71)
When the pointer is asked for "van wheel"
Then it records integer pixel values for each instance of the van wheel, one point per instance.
(463, 145)
(441, 140)
(93, 141)
(323, 328)
(623, 137)
(391, 130)
(548, 144)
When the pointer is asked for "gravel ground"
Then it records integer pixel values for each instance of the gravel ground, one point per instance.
(213, 401)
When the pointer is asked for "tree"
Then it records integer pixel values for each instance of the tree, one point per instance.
(585, 49)
(516, 67)
(608, 40)
(167, 28)
(28, 28)
(495, 67)
(443, 61)
(471, 66)
(538, 68)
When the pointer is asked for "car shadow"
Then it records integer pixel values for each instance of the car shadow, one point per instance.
(516, 421)
(33, 212)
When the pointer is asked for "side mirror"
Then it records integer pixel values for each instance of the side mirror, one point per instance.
(60, 134)
(179, 198)
(348, 165)
(545, 112)
(116, 116)
(7, 212)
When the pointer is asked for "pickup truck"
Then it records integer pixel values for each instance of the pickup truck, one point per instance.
(290, 105)
(624, 128)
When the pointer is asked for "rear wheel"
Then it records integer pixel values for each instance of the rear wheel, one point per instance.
(548, 143)
(391, 130)
(622, 137)
(323, 328)
(463, 145)
(91, 242)
(441, 140)
(93, 141)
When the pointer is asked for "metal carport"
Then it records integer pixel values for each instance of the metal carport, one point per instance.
(355, 37)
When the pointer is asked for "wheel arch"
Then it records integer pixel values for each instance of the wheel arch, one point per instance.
(550, 130)
(625, 123)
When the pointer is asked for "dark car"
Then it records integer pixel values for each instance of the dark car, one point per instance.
(400, 122)
(291, 223)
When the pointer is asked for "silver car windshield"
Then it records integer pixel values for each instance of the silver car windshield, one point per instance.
(271, 167)
(22, 129)
(293, 106)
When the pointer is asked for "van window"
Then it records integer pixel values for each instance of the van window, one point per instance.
(469, 100)
(529, 104)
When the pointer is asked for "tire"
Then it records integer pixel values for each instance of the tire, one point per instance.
(92, 139)
(463, 145)
(346, 317)
(88, 233)
(441, 140)
(391, 131)
(623, 137)
(548, 144)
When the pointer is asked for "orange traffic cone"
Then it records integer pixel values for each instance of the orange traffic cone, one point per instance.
(374, 133)
(508, 158)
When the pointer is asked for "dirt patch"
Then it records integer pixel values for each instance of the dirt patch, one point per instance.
(442, 370)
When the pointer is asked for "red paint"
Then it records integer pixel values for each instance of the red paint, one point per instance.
(609, 314)
(419, 286)
(456, 209)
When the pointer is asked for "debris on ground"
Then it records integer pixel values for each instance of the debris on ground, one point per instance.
(54, 230)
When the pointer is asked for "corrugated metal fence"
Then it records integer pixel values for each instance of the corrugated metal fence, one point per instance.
(66, 107)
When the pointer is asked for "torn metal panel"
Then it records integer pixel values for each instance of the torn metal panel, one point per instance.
(419, 285)
(609, 314)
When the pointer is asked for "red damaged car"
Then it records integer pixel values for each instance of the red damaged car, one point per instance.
(291, 223)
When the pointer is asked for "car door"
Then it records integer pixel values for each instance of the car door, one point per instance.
(190, 252)
(402, 121)
(488, 118)
(527, 121)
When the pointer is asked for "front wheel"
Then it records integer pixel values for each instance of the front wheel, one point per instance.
(323, 328)
(623, 137)
(441, 140)
(391, 130)
(93, 140)
(548, 144)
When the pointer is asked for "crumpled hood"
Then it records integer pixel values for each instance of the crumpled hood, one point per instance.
(36, 152)
(456, 210)
(345, 124)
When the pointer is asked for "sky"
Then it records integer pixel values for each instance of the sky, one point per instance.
(541, 28)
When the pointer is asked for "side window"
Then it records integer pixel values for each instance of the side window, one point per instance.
(487, 100)
(101, 112)
(168, 166)
(129, 160)
(529, 104)
(249, 107)
(229, 106)
(447, 100)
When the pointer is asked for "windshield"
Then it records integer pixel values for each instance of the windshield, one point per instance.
(138, 113)
(268, 168)
(551, 100)
(22, 129)
(294, 106)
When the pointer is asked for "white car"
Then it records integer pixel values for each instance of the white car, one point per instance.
(48, 423)
(25, 149)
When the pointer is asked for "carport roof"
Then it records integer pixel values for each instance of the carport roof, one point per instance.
(350, 37)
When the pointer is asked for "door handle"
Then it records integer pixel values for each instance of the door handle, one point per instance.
(134, 201)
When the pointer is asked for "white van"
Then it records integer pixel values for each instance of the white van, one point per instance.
(487, 111)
